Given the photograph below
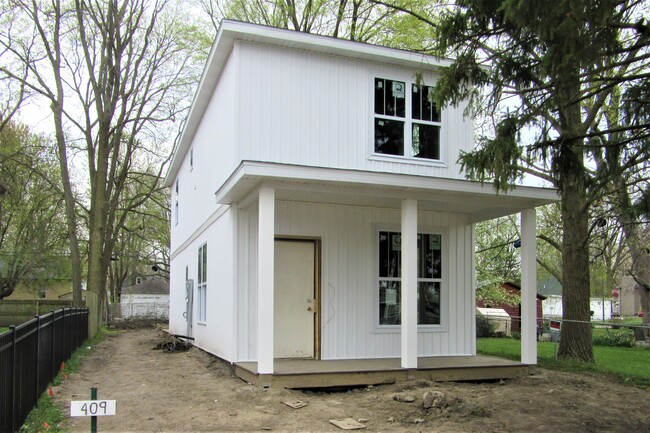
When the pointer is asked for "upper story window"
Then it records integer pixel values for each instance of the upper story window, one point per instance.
(406, 123)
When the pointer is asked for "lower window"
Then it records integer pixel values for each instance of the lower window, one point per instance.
(429, 258)
(202, 282)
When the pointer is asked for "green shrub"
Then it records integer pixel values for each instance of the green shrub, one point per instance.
(484, 328)
(614, 339)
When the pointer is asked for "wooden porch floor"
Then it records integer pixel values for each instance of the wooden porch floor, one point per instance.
(310, 373)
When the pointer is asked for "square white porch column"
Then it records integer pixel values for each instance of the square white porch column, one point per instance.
(265, 279)
(528, 287)
(409, 284)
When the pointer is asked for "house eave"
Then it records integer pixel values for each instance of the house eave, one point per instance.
(343, 186)
(231, 31)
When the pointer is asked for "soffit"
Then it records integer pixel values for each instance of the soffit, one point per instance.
(364, 188)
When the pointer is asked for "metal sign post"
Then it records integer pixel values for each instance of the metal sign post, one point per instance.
(93, 408)
(93, 419)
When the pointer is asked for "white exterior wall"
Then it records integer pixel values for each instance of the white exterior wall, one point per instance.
(552, 307)
(177, 323)
(349, 286)
(216, 334)
(214, 158)
(297, 107)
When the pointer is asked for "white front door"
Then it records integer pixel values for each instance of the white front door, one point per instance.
(294, 304)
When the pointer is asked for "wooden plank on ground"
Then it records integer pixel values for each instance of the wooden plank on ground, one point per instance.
(347, 424)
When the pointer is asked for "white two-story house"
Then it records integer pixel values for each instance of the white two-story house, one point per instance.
(320, 222)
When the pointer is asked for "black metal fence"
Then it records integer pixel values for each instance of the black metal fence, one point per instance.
(30, 358)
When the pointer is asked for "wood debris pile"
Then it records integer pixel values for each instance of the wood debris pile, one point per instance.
(173, 344)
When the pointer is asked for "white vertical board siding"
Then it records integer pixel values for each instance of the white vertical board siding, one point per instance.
(214, 158)
(215, 335)
(349, 288)
(293, 103)
(246, 291)
(177, 323)
(298, 107)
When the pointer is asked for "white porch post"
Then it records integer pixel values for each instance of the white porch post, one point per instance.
(265, 279)
(528, 287)
(409, 293)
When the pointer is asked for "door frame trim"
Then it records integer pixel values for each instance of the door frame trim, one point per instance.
(317, 244)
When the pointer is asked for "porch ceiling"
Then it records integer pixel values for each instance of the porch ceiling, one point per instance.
(365, 188)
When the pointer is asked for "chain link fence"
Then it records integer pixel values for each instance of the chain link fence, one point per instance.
(614, 333)
(620, 346)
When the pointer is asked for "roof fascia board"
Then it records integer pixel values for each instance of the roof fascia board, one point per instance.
(276, 171)
(211, 73)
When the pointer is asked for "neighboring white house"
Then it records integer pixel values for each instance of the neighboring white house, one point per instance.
(319, 211)
(146, 299)
(600, 308)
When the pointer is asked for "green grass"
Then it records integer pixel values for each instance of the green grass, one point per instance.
(627, 364)
(3, 329)
(46, 417)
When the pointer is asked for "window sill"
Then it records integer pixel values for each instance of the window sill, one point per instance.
(202, 323)
(407, 160)
(396, 329)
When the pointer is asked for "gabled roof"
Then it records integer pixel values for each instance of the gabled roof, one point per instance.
(517, 287)
(231, 31)
(153, 286)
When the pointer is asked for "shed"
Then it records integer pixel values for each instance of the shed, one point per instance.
(148, 299)
(514, 311)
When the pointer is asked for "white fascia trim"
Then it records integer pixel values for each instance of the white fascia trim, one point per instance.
(329, 45)
(212, 71)
(221, 210)
(269, 171)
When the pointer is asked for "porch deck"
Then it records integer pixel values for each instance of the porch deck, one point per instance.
(310, 373)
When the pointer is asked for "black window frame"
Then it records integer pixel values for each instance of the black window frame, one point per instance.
(430, 278)
(406, 123)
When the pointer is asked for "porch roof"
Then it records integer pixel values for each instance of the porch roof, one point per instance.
(366, 188)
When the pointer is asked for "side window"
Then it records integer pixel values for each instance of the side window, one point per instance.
(176, 205)
(405, 123)
(202, 277)
(429, 278)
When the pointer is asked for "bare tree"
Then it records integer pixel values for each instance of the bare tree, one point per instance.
(357, 20)
(116, 75)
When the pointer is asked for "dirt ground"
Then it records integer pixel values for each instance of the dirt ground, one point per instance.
(192, 391)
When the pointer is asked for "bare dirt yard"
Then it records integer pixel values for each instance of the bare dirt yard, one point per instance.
(192, 391)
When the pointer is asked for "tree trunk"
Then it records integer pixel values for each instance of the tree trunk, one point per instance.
(576, 339)
(59, 132)
(7, 287)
